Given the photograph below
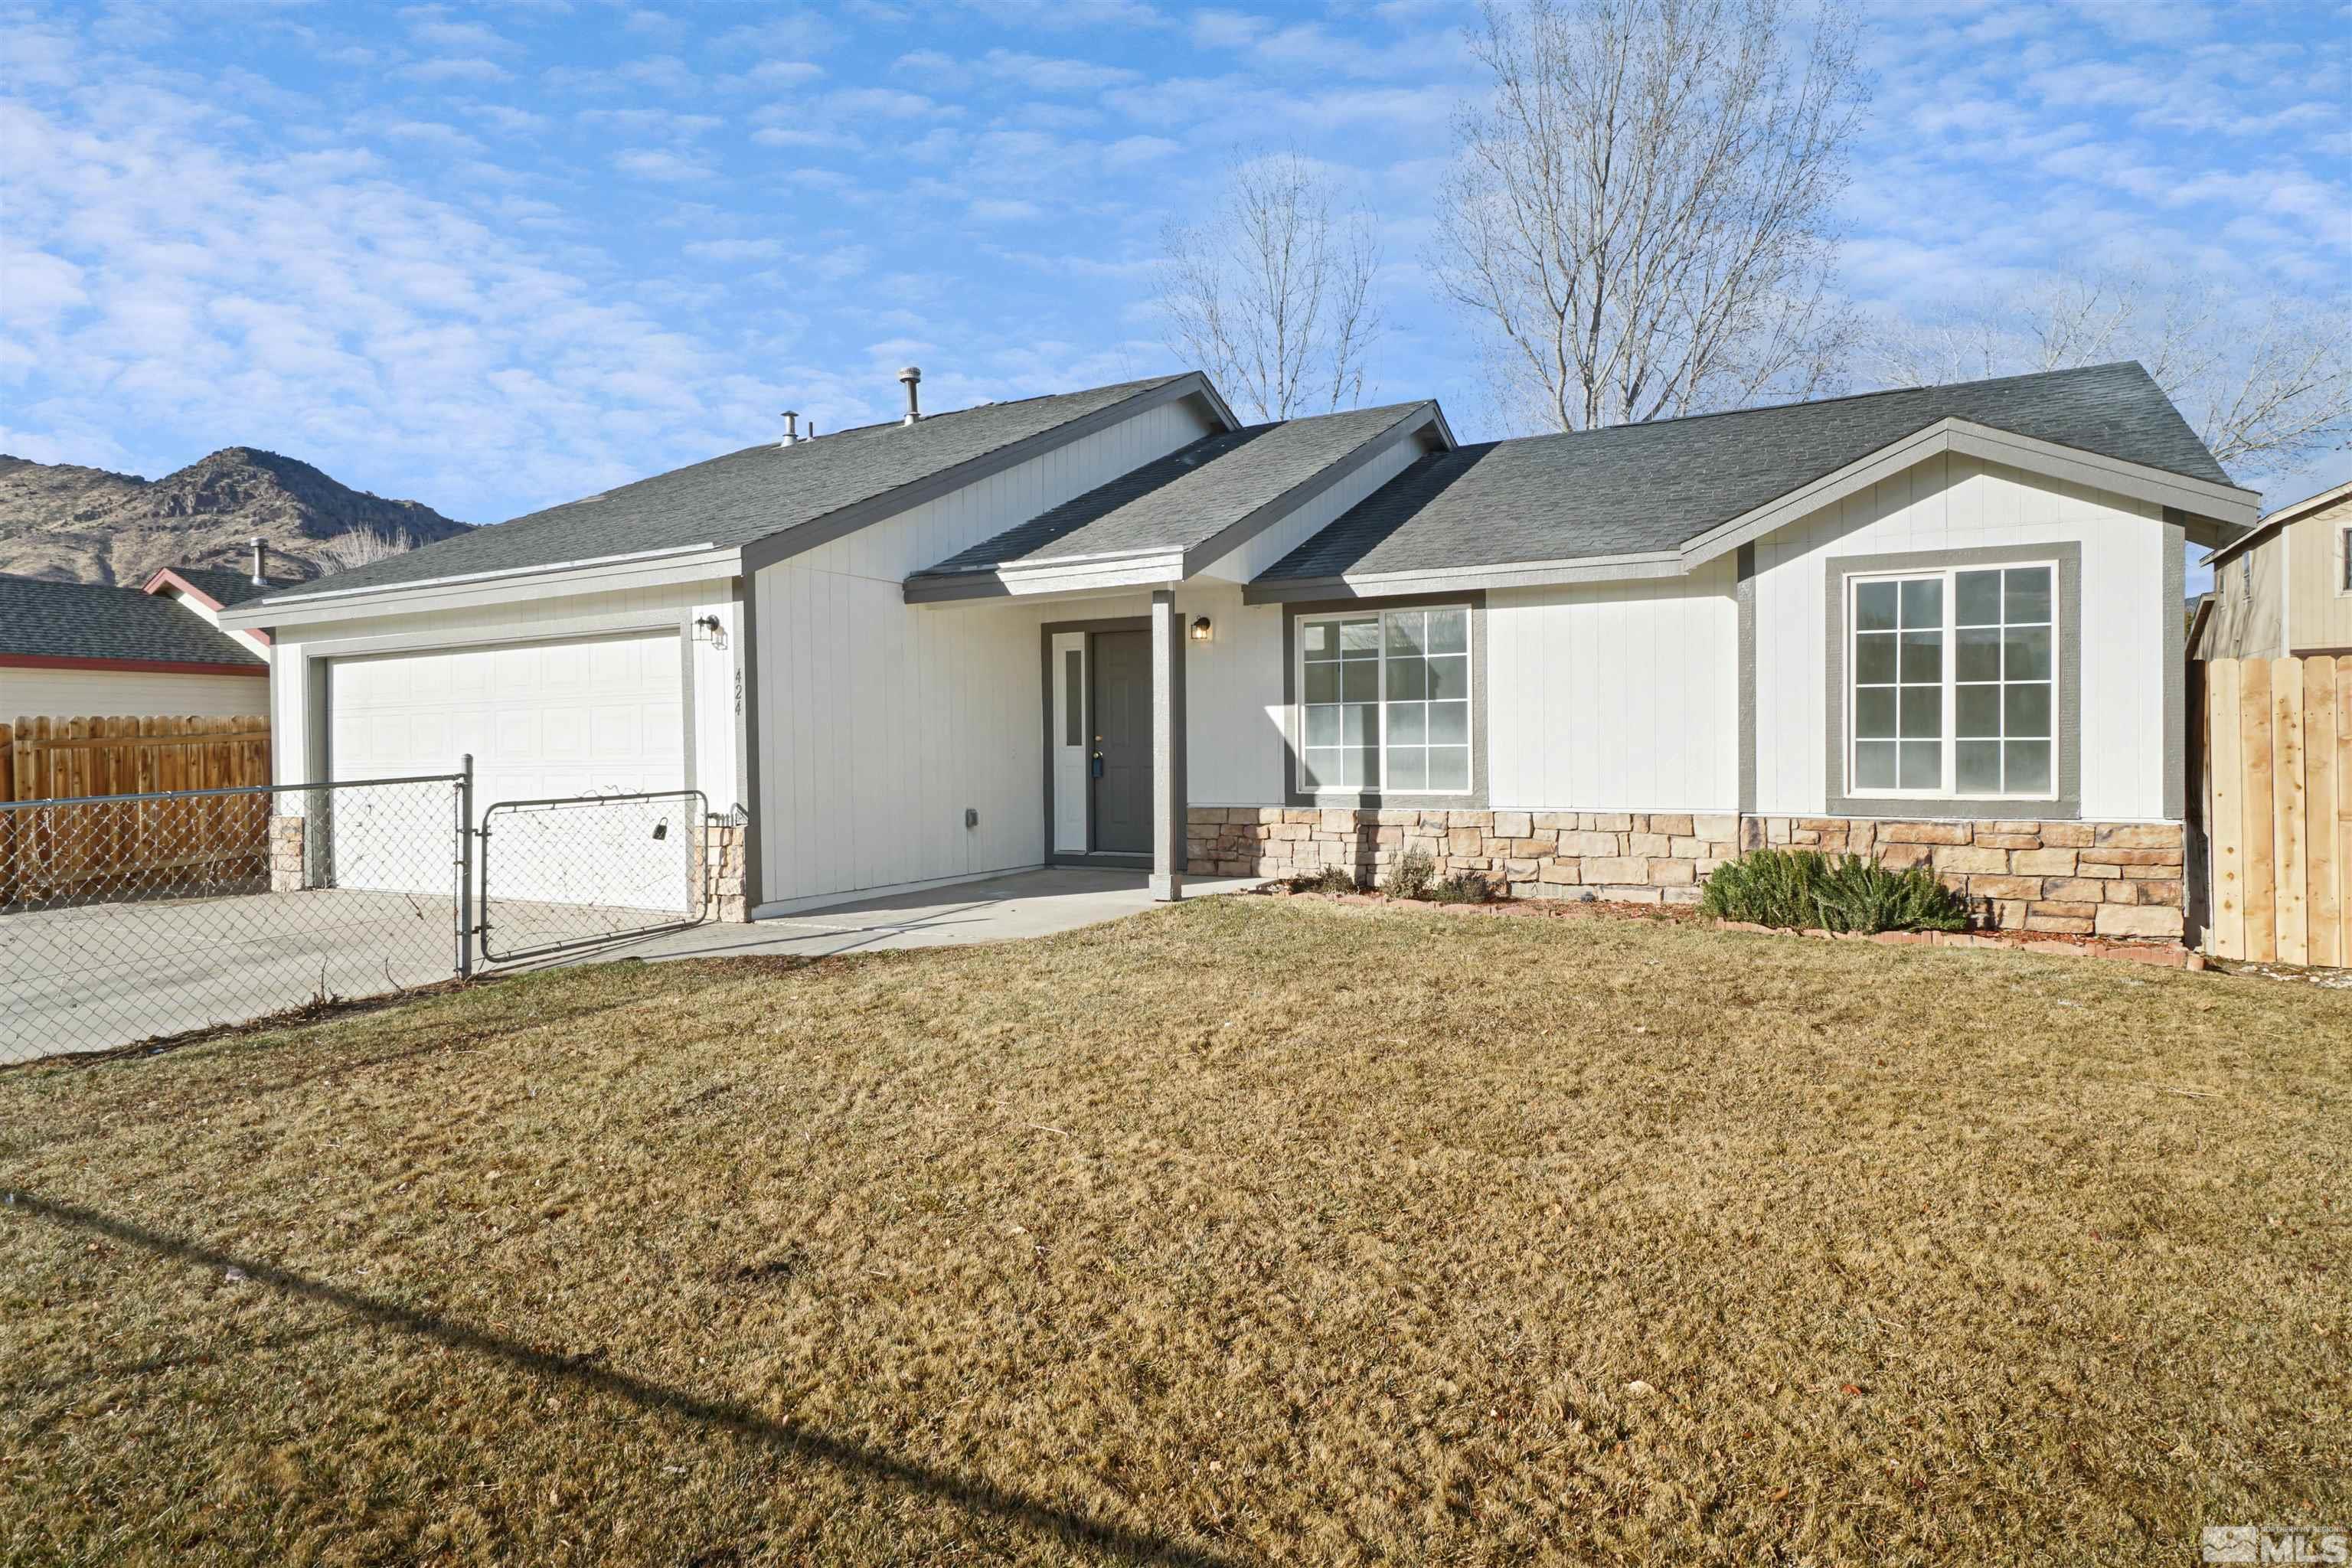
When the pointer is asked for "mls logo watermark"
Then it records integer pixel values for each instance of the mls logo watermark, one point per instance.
(2277, 1543)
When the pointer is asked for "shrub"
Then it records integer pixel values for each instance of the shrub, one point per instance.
(1330, 880)
(1462, 888)
(1409, 877)
(1799, 889)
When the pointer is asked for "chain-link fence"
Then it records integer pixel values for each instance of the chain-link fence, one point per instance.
(563, 874)
(129, 917)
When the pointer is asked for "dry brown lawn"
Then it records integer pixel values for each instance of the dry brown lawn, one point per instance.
(1242, 1232)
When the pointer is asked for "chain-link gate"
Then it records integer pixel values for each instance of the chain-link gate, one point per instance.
(572, 872)
(127, 917)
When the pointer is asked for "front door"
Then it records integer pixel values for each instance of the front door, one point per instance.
(1122, 743)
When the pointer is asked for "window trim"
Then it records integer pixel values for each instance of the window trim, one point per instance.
(1293, 720)
(2067, 699)
(1379, 616)
(2344, 562)
(1948, 683)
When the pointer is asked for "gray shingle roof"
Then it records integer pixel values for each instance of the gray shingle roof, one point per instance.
(744, 496)
(90, 620)
(1184, 499)
(1635, 489)
(224, 586)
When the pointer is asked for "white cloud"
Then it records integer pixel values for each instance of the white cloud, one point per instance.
(735, 249)
(661, 163)
(454, 68)
(430, 133)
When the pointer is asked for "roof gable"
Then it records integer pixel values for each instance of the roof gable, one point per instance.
(761, 492)
(1191, 497)
(1655, 491)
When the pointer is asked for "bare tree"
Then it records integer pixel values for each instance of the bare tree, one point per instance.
(1272, 295)
(362, 547)
(1640, 215)
(2266, 380)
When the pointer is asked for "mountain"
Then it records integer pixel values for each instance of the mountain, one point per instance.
(88, 525)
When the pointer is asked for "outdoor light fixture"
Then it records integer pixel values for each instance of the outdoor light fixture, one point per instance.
(1201, 629)
(709, 629)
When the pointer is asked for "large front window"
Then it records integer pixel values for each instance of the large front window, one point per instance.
(1953, 684)
(1384, 702)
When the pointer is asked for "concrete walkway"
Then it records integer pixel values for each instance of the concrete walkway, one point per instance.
(1001, 908)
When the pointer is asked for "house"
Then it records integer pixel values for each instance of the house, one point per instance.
(76, 650)
(1120, 627)
(2285, 589)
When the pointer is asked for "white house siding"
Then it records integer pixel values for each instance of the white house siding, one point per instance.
(300, 650)
(117, 693)
(1615, 695)
(1235, 749)
(882, 723)
(1961, 504)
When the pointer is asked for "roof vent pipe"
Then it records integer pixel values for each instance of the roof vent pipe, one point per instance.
(791, 427)
(257, 549)
(913, 377)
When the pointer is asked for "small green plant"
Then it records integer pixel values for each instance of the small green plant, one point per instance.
(1409, 877)
(1803, 888)
(1330, 880)
(1462, 888)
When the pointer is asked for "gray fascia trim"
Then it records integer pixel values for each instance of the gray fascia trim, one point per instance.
(748, 775)
(311, 592)
(2176, 674)
(1093, 575)
(1746, 592)
(783, 545)
(660, 569)
(1233, 535)
(1466, 579)
(2223, 503)
(1372, 800)
(2068, 807)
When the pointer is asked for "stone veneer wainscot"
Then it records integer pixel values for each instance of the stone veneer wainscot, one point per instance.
(2075, 879)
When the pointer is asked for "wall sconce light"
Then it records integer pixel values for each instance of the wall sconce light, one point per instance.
(1201, 629)
(709, 629)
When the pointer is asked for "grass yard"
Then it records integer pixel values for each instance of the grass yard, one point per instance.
(1242, 1232)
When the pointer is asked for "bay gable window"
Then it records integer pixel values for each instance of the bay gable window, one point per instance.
(1952, 683)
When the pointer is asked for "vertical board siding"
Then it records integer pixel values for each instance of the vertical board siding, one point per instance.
(2277, 763)
(1236, 752)
(1956, 502)
(881, 723)
(225, 696)
(1615, 695)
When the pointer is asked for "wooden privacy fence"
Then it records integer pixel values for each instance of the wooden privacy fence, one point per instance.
(136, 845)
(2278, 784)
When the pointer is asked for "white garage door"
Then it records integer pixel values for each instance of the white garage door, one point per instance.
(542, 719)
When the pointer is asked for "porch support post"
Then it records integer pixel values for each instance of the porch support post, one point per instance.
(1167, 748)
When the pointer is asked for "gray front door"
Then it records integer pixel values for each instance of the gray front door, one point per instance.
(1122, 710)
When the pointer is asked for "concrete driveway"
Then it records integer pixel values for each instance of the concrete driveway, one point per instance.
(105, 975)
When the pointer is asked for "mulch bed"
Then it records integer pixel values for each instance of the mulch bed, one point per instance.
(2162, 955)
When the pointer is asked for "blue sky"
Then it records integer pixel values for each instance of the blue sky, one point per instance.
(494, 257)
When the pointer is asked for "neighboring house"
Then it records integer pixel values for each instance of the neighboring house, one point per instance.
(2284, 589)
(1118, 628)
(88, 649)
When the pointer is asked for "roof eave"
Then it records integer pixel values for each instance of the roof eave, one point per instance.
(1265, 590)
(2205, 510)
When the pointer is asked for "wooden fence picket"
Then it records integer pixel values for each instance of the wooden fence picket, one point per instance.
(2277, 758)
